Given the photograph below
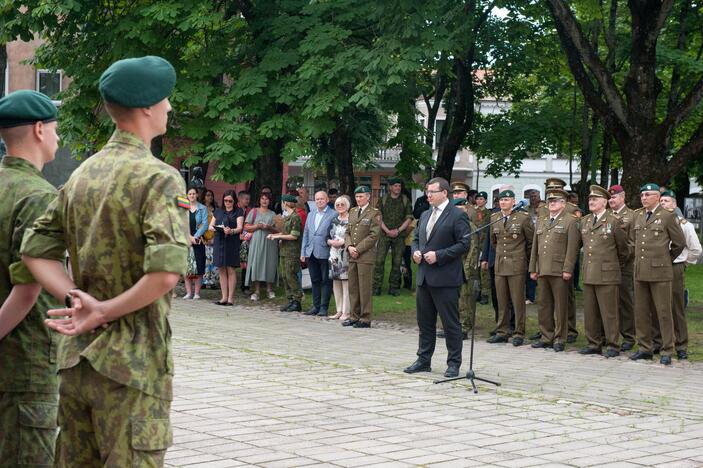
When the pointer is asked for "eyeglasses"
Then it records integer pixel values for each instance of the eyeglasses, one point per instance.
(427, 192)
(229, 200)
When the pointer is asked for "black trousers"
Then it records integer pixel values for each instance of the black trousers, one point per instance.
(319, 269)
(433, 301)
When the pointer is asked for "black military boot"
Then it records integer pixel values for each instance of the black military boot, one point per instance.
(286, 307)
(295, 307)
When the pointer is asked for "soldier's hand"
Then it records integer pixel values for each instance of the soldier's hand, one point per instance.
(417, 257)
(533, 276)
(85, 316)
(566, 275)
(484, 266)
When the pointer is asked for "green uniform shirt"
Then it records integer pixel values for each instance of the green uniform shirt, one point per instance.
(118, 216)
(394, 211)
(27, 353)
(291, 225)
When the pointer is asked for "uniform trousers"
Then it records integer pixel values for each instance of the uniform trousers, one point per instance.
(552, 308)
(467, 304)
(511, 289)
(600, 305)
(654, 304)
(572, 330)
(360, 290)
(677, 307)
(397, 247)
(27, 428)
(626, 307)
(290, 267)
(431, 302)
(107, 424)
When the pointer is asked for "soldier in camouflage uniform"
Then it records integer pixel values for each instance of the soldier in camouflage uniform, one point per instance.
(28, 382)
(482, 217)
(396, 215)
(121, 216)
(469, 290)
(289, 252)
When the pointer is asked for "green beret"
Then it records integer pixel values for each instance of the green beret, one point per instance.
(668, 193)
(506, 194)
(395, 180)
(26, 107)
(650, 187)
(289, 198)
(362, 189)
(482, 195)
(459, 201)
(138, 82)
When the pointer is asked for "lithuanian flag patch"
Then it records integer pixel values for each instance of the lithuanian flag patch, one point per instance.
(183, 202)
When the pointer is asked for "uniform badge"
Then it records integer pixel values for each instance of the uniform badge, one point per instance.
(657, 221)
(182, 202)
(514, 236)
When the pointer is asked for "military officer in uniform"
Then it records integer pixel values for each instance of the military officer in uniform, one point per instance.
(396, 215)
(605, 251)
(362, 234)
(29, 387)
(554, 251)
(658, 240)
(512, 240)
(690, 254)
(289, 252)
(121, 216)
(626, 308)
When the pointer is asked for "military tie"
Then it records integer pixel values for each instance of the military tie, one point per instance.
(433, 219)
(551, 221)
(595, 220)
(649, 214)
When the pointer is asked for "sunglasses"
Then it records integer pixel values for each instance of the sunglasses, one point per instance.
(229, 200)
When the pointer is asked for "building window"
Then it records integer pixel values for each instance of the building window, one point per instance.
(49, 82)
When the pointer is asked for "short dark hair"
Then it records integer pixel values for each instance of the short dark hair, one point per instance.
(229, 193)
(332, 191)
(243, 192)
(443, 184)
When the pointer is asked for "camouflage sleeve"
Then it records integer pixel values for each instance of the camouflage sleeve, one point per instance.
(46, 237)
(165, 226)
(295, 226)
(26, 213)
(408, 209)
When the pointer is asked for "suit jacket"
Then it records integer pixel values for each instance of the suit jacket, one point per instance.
(555, 247)
(363, 232)
(657, 243)
(450, 240)
(315, 240)
(605, 249)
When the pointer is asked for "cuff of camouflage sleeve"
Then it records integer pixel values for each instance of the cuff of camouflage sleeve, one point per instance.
(171, 258)
(20, 274)
(38, 245)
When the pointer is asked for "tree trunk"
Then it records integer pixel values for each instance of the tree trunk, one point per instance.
(3, 65)
(605, 158)
(588, 142)
(614, 176)
(268, 170)
(343, 154)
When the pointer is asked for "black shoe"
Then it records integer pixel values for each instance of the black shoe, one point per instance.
(418, 366)
(571, 338)
(464, 335)
(656, 351)
(440, 334)
(376, 292)
(558, 347)
(483, 300)
(536, 336)
(295, 307)
(493, 332)
(452, 371)
(394, 292)
(497, 339)
(666, 360)
(311, 311)
(626, 346)
(641, 355)
(589, 350)
(323, 313)
(681, 354)
(611, 353)
(220, 303)
(349, 323)
(286, 307)
(540, 344)
(362, 325)
(518, 341)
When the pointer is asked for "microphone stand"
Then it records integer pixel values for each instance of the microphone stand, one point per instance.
(470, 374)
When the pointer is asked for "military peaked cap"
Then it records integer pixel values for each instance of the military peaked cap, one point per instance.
(557, 194)
(26, 107)
(598, 191)
(459, 187)
(138, 82)
(553, 182)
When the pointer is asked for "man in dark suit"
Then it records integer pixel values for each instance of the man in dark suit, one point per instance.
(441, 238)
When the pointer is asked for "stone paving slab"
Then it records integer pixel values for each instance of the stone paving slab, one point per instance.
(255, 387)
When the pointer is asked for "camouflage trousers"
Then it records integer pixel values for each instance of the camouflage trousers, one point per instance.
(484, 275)
(467, 302)
(27, 428)
(397, 247)
(104, 423)
(290, 267)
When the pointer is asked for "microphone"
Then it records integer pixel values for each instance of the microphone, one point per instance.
(521, 204)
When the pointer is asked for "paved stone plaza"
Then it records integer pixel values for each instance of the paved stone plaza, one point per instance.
(256, 387)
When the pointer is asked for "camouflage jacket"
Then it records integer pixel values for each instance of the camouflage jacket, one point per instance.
(118, 215)
(471, 257)
(394, 211)
(27, 353)
(291, 225)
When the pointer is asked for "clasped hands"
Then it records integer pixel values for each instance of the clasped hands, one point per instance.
(430, 257)
(86, 315)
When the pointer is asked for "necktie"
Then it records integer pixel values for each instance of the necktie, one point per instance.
(551, 221)
(649, 213)
(595, 220)
(433, 219)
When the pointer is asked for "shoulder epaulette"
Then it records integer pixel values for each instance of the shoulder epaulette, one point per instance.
(670, 210)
